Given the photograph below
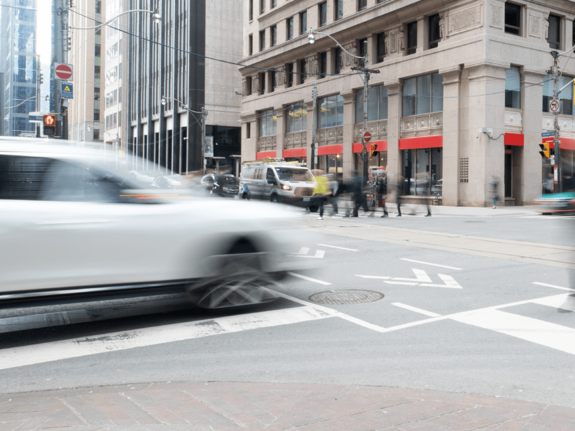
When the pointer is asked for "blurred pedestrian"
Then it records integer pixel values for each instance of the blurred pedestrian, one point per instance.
(400, 186)
(333, 190)
(381, 192)
(321, 190)
(494, 184)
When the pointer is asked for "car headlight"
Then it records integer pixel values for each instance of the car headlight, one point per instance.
(284, 187)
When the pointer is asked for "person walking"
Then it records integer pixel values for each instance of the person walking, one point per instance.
(399, 190)
(494, 183)
(333, 191)
(320, 191)
(380, 192)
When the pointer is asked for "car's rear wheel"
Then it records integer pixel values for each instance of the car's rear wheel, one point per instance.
(240, 279)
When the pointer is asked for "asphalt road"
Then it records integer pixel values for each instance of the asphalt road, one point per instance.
(460, 312)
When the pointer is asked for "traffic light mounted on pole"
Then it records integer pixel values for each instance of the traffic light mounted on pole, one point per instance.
(544, 150)
(49, 125)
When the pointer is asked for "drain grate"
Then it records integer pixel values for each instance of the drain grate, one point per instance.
(342, 297)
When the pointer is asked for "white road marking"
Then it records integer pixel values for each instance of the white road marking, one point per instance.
(420, 277)
(432, 264)
(335, 246)
(403, 283)
(319, 254)
(334, 313)
(376, 277)
(552, 285)
(415, 309)
(303, 277)
(565, 303)
(537, 331)
(59, 350)
(449, 282)
(304, 250)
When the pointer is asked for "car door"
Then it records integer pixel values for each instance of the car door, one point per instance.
(256, 184)
(269, 184)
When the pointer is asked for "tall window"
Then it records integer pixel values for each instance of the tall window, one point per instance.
(361, 4)
(434, 36)
(512, 18)
(423, 170)
(262, 6)
(422, 95)
(565, 97)
(338, 9)
(251, 44)
(268, 123)
(262, 83)
(376, 104)
(251, 7)
(303, 22)
(262, 40)
(330, 111)
(273, 35)
(322, 64)
(274, 3)
(338, 60)
(248, 85)
(273, 80)
(412, 37)
(303, 71)
(322, 14)
(554, 31)
(289, 28)
(513, 88)
(289, 74)
(297, 118)
(362, 45)
(380, 47)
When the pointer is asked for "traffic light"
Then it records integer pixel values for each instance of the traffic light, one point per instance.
(544, 150)
(41, 78)
(372, 150)
(49, 125)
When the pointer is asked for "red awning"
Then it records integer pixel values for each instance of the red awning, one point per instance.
(329, 149)
(516, 139)
(264, 154)
(421, 142)
(379, 146)
(566, 143)
(295, 152)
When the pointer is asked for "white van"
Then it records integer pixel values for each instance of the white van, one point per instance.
(276, 181)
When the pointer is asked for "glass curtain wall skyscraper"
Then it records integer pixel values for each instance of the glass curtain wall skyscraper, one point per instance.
(19, 64)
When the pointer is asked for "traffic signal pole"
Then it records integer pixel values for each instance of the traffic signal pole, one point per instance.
(556, 143)
(313, 127)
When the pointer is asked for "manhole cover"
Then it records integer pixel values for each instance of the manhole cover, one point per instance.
(335, 297)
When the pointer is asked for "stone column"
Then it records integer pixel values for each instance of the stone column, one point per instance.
(394, 89)
(348, 123)
(531, 97)
(421, 35)
(280, 131)
(451, 93)
(310, 126)
(486, 156)
(249, 145)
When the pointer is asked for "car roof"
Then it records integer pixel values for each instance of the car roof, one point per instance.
(53, 147)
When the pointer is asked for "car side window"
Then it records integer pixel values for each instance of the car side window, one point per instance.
(270, 174)
(68, 182)
(21, 177)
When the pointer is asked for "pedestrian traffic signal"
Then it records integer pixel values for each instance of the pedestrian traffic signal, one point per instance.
(544, 150)
(372, 151)
(49, 125)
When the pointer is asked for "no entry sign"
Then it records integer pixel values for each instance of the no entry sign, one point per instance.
(367, 136)
(63, 71)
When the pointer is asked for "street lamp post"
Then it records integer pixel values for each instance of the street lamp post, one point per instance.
(202, 123)
(366, 72)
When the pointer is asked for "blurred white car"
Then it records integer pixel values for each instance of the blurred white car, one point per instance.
(70, 222)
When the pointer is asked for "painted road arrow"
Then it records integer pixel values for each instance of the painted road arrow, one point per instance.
(421, 279)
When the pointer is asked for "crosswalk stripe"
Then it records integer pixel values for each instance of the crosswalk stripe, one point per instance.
(84, 346)
(525, 328)
(566, 302)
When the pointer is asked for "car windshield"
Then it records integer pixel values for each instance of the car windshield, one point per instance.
(294, 174)
(232, 181)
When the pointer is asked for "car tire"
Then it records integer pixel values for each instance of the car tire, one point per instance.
(241, 280)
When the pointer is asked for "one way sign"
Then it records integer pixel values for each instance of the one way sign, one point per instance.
(67, 90)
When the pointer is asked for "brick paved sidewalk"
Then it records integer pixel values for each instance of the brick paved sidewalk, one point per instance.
(273, 406)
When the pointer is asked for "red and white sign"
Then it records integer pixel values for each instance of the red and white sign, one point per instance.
(367, 136)
(63, 71)
(554, 106)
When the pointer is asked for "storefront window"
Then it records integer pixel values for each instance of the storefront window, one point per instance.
(268, 123)
(332, 164)
(423, 172)
(297, 118)
(376, 104)
(423, 95)
(513, 88)
(565, 97)
(330, 111)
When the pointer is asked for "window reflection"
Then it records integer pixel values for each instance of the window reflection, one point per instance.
(330, 111)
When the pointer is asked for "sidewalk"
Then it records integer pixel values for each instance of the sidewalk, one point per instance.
(273, 406)
(531, 210)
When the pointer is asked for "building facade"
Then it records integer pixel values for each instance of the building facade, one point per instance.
(86, 54)
(446, 70)
(19, 64)
(172, 62)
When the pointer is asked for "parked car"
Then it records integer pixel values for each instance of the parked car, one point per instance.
(225, 185)
(71, 223)
(277, 182)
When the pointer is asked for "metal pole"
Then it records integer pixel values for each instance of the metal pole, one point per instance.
(313, 125)
(365, 91)
(556, 142)
(38, 103)
(204, 115)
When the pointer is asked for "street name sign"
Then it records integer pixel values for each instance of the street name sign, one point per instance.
(367, 137)
(547, 134)
(36, 117)
(554, 106)
(63, 71)
(67, 90)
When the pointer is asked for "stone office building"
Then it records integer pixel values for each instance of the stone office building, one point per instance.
(447, 69)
